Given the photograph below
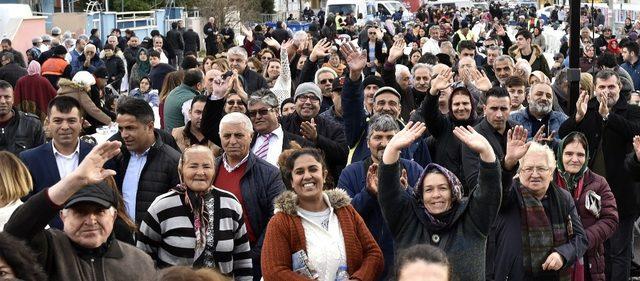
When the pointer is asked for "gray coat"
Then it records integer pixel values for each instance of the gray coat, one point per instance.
(465, 237)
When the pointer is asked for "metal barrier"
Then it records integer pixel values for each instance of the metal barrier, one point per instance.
(135, 20)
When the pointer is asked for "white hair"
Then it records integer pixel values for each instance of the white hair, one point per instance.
(237, 50)
(537, 148)
(236, 118)
(400, 68)
(420, 66)
(524, 65)
(323, 70)
(299, 36)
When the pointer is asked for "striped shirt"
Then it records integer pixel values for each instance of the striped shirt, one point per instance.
(167, 234)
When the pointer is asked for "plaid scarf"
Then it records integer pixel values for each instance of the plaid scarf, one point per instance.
(201, 205)
(539, 235)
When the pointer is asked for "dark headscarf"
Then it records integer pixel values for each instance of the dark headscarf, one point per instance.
(143, 66)
(571, 180)
(440, 221)
(474, 115)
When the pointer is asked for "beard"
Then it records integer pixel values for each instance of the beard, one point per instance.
(542, 108)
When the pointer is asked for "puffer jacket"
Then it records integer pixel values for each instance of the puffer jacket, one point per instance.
(159, 174)
(24, 131)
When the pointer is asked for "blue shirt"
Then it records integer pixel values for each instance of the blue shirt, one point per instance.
(130, 182)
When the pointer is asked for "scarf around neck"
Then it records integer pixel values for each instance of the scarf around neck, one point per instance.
(571, 181)
(541, 234)
(203, 207)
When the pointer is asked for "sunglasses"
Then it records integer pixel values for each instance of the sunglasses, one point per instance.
(262, 112)
(326, 80)
(234, 102)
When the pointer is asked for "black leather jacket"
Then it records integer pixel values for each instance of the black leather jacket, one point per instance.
(24, 131)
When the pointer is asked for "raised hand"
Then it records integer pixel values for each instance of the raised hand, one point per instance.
(476, 142)
(397, 50)
(441, 81)
(308, 130)
(403, 139)
(372, 179)
(480, 80)
(91, 171)
(356, 59)
(517, 146)
(500, 30)
(248, 33)
(287, 44)
(636, 146)
(272, 43)
(539, 137)
(581, 106)
(603, 109)
(321, 49)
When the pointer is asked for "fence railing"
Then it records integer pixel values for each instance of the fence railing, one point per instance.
(135, 20)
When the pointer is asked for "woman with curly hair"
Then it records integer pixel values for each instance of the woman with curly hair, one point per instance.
(18, 261)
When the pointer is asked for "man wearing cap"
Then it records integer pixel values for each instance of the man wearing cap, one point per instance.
(55, 32)
(86, 248)
(35, 51)
(326, 135)
(46, 43)
(384, 100)
(334, 113)
(56, 67)
(7, 48)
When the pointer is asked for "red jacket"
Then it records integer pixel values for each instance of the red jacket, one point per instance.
(285, 236)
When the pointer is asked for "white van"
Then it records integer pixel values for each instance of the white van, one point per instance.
(357, 7)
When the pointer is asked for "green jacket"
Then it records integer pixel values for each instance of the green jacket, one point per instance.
(173, 117)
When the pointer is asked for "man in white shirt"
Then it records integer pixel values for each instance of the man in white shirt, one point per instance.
(433, 43)
(270, 140)
(50, 162)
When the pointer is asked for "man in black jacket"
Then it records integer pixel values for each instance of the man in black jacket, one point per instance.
(18, 130)
(324, 134)
(115, 67)
(131, 52)
(176, 42)
(6, 48)
(494, 127)
(281, 34)
(610, 124)
(10, 70)
(147, 166)
(191, 41)
(210, 30)
(237, 58)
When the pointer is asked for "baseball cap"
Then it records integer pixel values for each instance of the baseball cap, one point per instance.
(100, 194)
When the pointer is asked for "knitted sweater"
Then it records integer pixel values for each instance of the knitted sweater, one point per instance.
(286, 236)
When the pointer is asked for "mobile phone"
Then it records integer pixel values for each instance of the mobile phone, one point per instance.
(227, 74)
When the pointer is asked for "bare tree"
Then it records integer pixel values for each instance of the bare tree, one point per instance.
(230, 11)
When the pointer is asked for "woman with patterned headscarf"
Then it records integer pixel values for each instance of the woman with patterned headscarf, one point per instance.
(436, 213)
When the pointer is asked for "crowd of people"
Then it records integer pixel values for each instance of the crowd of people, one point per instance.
(439, 149)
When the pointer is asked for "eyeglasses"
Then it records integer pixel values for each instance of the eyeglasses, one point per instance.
(262, 112)
(266, 58)
(530, 170)
(326, 80)
(372, 33)
(234, 102)
(304, 98)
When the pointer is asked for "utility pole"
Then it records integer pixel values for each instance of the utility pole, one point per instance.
(573, 73)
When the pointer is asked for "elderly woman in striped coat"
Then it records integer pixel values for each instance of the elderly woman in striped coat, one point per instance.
(197, 224)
